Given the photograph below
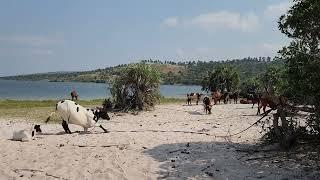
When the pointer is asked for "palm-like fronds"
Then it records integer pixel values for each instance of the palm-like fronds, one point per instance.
(137, 87)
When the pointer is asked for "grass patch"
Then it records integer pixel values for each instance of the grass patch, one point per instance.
(39, 110)
(16, 104)
(35, 110)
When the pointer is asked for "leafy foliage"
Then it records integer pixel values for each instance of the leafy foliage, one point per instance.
(302, 56)
(221, 78)
(136, 88)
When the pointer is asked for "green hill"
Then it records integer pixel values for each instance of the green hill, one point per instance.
(189, 72)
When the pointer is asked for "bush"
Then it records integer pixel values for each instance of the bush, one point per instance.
(137, 87)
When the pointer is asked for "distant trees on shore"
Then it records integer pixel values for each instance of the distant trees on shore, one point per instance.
(187, 72)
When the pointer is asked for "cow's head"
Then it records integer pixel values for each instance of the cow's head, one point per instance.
(99, 113)
(37, 128)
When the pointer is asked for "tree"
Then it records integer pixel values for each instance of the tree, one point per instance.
(251, 85)
(221, 78)
(137, 87)
(302, 56)
(273, 80)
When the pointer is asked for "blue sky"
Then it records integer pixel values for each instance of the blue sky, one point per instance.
(60, 35)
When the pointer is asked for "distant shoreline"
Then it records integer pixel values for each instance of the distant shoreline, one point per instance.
(44, 90)
(93, 82)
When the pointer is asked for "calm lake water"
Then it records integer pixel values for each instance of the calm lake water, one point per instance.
(42, 90)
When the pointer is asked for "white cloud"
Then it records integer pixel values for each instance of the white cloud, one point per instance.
(225, 20)
(32, 40)
(170, 22)
(276, 10)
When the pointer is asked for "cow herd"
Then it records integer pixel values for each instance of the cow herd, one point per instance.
(263, 100)
(73, 113)
(217, 96)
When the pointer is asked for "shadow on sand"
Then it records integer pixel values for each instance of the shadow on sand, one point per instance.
(217, 160)
(195, 113)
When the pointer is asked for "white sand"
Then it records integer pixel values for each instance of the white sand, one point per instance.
(145, 146)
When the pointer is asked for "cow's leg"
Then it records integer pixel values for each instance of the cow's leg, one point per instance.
(85, 130)
(106, 131)
(66, 127)
(258, 112)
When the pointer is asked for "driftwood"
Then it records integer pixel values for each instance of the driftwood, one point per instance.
(174, 131)
(109, 145)
(303, 109)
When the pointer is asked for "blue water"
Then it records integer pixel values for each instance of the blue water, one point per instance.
(42, 90)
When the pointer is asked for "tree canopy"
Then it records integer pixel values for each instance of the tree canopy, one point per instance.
(224, 78)
(302, 58)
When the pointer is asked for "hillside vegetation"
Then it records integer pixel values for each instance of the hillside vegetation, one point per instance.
(188, 72)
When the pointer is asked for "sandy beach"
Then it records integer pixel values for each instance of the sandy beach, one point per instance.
(172, 142)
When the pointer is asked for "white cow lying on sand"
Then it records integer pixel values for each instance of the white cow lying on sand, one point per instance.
(26, 134)
(73, 113)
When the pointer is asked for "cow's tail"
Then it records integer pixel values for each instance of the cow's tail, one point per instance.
(49, 117)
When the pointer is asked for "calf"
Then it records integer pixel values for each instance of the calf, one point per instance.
(73, 113)
(26, 134)
(207, 105)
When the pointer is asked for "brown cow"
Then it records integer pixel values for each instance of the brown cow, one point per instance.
(74, 95)
(271, 101)
(207, 105)
(193, 96)
(234, 96)
(188, 99)
(254, 98)
(218, 96)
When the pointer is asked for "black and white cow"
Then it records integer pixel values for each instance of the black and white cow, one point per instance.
(73, 113)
